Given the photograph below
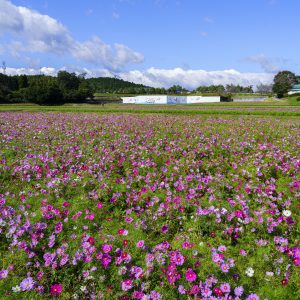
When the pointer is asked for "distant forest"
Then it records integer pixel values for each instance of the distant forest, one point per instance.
(72, 88)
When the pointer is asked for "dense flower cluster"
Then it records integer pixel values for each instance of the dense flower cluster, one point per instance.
(149, 207)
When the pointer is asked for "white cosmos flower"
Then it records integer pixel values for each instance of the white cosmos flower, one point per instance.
(286, 213)
(83, 288)
(249, 272)
(16, 289)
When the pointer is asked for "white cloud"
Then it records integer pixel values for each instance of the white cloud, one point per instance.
(208, 20)
(42, 32)
(112, 57)
(37, 33)
(265, 63)
(115, 15)
(193, 78)
(166, 77)
(89, 12)
(53, 71)
(31, 71)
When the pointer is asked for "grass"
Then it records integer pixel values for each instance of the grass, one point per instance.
(285, 107)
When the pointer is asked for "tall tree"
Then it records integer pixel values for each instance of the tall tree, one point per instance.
(283, 82)
(264, 88)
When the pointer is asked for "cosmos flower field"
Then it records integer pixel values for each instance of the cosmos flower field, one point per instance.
(123, 206)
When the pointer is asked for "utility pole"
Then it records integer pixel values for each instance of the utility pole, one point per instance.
(4, 67)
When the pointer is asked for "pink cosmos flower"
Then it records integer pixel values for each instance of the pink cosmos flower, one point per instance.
(107, 248)
(128, 219)
(218, 291)
(225, 268)
(190, 275)
(238, 291)
(126, 284)
(186, 245)
(252, 297)
(3, 274)
(296, 252)
(91, 217)
(164, 229)
(222, 248)
(137, 295)
(140, 244)
(206, 292)
(123, 232)
(194, 290)
(243, 252)
(58, 227)
(106, 260)
(56, 289)
(225, 288)
(27, 284)
(297, 261)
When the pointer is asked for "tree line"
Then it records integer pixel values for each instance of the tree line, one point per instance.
(69, 87)
(44, 90)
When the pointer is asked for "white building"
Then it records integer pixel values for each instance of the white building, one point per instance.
(295, 89)
(164, 99)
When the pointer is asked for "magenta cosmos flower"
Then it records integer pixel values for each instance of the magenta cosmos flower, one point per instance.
(190, 275)
(126, 284)
(56, 289)
(58, 227)
(164, 229)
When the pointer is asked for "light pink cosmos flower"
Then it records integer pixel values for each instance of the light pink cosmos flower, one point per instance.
(140, 244)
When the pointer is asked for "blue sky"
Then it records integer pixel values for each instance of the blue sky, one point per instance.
(158, 42)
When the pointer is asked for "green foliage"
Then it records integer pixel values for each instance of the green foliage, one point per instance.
(23, 81)
(177, 89)
(221, 89)
(44, 90)
(218, 89)
(283, 82)
(114, 85)
(67, 81)
(44, 94)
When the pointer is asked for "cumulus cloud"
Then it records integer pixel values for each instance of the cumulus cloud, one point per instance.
(112, 57)
(34, 32)
(53, 71)
(193, 78)
(154, 77)
(43, 33)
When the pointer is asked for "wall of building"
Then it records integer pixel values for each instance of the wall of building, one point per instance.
(250, 99)
(202, 99)
(176, 99)
(163, 99)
